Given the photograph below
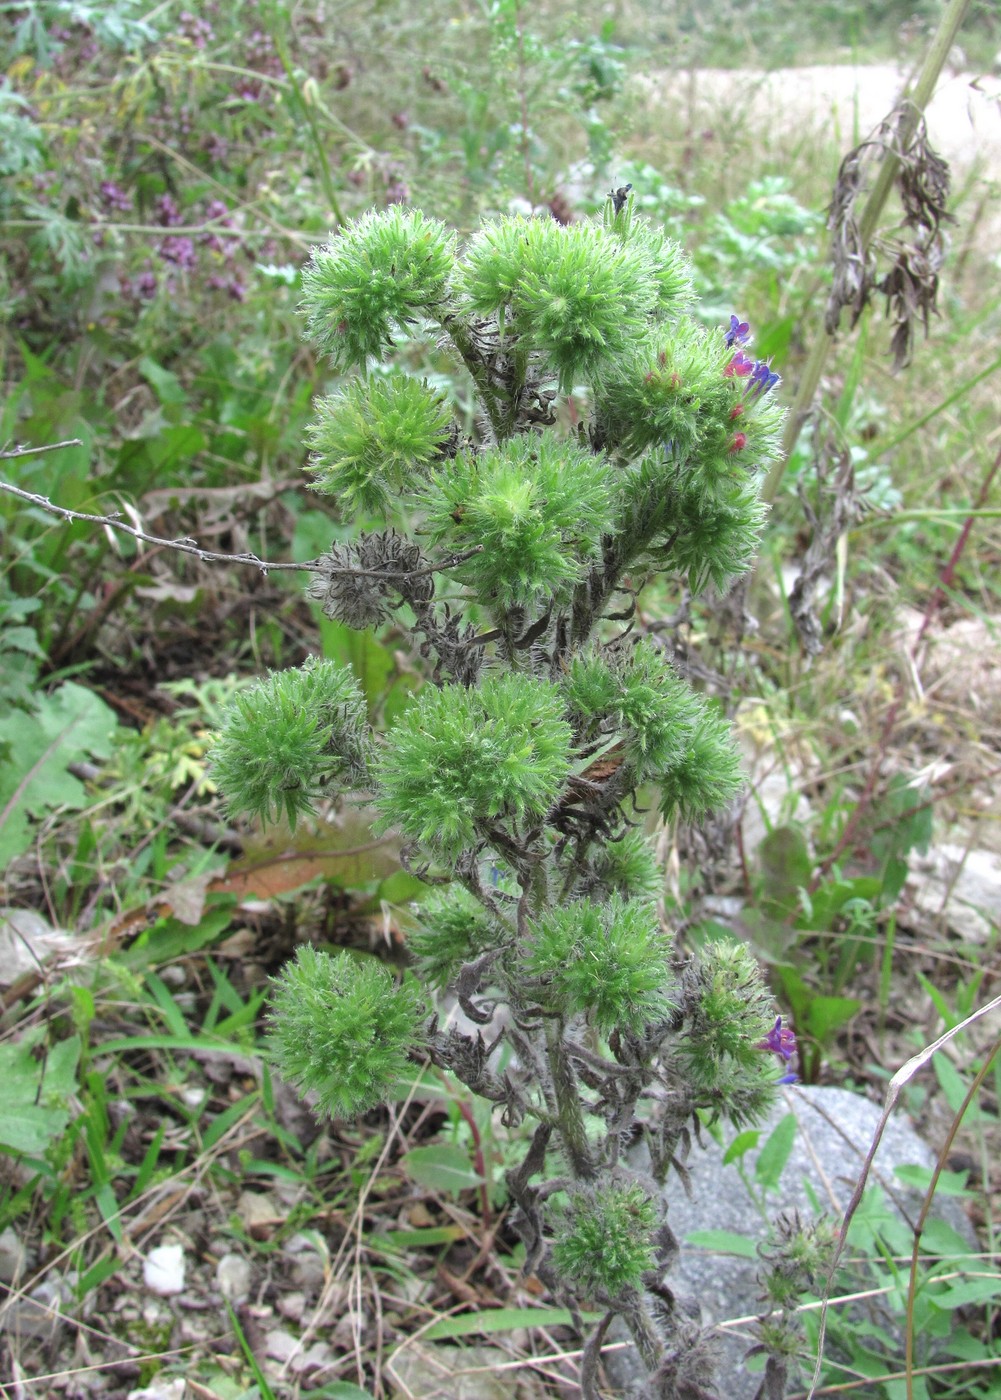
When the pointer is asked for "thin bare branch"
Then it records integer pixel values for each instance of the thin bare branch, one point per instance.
(190, 546)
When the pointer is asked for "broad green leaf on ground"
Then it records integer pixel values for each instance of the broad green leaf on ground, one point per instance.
(66, 727)
(34, 1092)
(441, 1167)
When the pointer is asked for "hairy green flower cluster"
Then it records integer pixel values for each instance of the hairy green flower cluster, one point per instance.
(460, 761)
(714, 538)
(379, 275)
(371, 440)
(708, 774)
(603, 1239)
(672, 736)
(537, 505)
(609, 962)
(729, 1014)
(628, 866)
(342, 1029)
(283, 741)
(639, 695)
(576, 295)
(667, 389)
(453, 928)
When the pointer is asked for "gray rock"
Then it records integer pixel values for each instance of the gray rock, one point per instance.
(835, 1130)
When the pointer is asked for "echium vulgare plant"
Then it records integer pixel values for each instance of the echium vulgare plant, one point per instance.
(513, 776)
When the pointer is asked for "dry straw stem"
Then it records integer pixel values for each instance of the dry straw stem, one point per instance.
(903, 1076)
(914, 107)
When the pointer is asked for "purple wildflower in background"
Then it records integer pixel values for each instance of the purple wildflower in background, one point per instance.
(781, 1041)
(738, 332)
(145, 285)
(114, 198)
(180, 251)
(197, 31)
(167, 212)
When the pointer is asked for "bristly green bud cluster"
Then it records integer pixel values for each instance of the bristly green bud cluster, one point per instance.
(603, 1244)
(343, 1030)
(288, 737)
(371, 441)
(573, 294)
(463, 766)
(380, 275)
(536, 506)
(452, 928)
(607, 962)
(509, 560)
(628, 866)
(728, 1014)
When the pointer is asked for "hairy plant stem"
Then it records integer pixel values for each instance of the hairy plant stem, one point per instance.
(492, 401)
(571, 1120)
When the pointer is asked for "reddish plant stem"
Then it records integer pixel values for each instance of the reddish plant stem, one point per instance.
(949, 572)
(479, 1161)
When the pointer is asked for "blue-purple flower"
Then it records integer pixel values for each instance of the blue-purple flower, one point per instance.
(738, 332)
(762, 378)
(781, 1041)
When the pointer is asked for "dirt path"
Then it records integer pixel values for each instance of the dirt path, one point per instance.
(964, 121)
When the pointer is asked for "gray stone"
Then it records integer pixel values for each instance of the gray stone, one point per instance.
(835, 1130)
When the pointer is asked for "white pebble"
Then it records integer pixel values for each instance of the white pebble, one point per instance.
(163, 1270)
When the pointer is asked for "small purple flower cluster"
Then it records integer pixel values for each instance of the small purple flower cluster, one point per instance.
(197, 31)
(781, 1041)
(179, 251)
(167, 212)
(114, 198)
(260, 56)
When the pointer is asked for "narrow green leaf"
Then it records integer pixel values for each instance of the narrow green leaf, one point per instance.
(501, 1320)
(723, 1242)
(741, 1145)
(775, 1153)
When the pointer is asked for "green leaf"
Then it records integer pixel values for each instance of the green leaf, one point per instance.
(786, 868)
(947, 1183)
(826, 1015)
(67, 726)
(723, 1242)
(967, 1292)
(165, 385)
(420, 1239)
(31, 1112)
(775, 1153)
(501, 1320)
(741, 1145)
(441, 1167)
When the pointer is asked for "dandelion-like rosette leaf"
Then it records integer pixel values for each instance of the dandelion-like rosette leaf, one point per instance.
(460, 760)
(343, 1029)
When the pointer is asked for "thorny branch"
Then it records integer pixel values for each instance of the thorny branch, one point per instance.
(187, 545)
